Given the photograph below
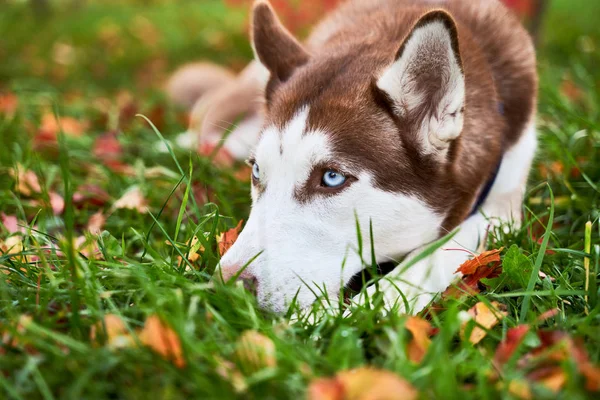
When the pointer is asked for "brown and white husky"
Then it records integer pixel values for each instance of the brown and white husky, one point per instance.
(403, 119)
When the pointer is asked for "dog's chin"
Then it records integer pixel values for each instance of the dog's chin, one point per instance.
(364, 278)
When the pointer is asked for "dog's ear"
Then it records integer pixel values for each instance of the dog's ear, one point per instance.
(274, 46)
(426, 84)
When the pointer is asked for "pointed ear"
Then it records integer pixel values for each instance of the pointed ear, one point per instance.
(276, 49)
(426, 82)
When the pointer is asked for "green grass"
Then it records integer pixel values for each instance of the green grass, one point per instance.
(139, 274)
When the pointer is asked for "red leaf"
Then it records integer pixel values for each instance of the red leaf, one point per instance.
(90, 194)
(509, 345)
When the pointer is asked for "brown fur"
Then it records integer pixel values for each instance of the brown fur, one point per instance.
(348, 51)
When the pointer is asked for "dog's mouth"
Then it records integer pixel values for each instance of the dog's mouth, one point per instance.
(365, 277)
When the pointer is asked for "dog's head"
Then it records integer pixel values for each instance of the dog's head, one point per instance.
(357, 148)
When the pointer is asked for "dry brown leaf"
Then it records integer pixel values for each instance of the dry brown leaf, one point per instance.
(362, 384)
(88, 247)
(227, 239)
(485, 318)
(133, 200)
(221, 156)
(27, 181)
(115, 330)
(254, 352)
(418, 345)
(162, 339)
(96, 223)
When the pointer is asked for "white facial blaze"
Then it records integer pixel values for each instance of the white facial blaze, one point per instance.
(314, 243)
(428, 48)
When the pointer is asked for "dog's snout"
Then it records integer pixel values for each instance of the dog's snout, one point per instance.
(248, 280)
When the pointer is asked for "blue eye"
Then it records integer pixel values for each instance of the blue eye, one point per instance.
(333, 179)
(255, 171)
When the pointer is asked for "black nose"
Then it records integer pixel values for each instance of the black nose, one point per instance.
(250, 283)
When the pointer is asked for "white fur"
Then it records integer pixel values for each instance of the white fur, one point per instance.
(425, 48)
(424, 280)
(313, 246)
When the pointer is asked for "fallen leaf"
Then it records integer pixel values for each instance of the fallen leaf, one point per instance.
(362, 384)
(254, 352)
(96, 223)
(11, 223)
(50, 126)
(470, 267)
(162, 339)
(227, 239)
(27, 181)
(90, 194)
(508, 346)
(133, 200)
(114, 329)
(88, 247)
(109, 151)
(419, 343)
(9, 103)
(485, 318)
(520, 388)
(57, 203)
(553, 378)
(13, 245)
(220, 156)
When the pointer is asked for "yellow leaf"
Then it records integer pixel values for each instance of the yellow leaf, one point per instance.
(133, 200)
(485, 317)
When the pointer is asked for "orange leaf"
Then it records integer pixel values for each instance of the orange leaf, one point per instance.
(227, 239)
(485, 317)
(117, 335)
(470, 267)
(362, 383)
(50, 126)
(420, 330)
(163, 340)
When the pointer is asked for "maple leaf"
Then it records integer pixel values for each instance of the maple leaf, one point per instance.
(362, 383)
(133, 199)
(162, 339)
(485, 318)
(227, 239)
(419, 343)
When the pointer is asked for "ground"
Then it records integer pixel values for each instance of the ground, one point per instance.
(108, 235)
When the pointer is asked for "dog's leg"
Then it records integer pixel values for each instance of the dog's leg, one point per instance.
(420, 283)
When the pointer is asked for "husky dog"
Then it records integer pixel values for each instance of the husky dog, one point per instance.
(397, 120)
